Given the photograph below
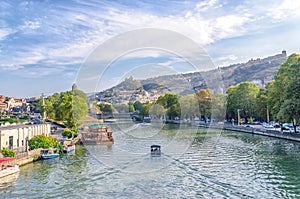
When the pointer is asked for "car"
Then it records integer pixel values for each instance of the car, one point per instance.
(287, 126)
(266, 125)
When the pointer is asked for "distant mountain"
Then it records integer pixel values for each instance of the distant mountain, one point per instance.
(258, 71)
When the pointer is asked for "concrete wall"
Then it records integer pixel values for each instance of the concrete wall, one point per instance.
(15, 136)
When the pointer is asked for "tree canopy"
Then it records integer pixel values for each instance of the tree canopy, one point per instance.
(284, 91)
(69, 107)
(242, 98)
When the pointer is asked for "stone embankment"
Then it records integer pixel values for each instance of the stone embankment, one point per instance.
(258, 131)
(26, 157)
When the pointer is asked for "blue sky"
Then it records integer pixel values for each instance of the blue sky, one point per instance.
(43, 44)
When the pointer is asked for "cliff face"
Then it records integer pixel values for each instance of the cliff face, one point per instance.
(258, 71)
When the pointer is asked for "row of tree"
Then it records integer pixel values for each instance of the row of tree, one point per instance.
(172, 106)
(280, 101)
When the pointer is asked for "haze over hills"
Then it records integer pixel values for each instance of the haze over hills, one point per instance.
(258, 71)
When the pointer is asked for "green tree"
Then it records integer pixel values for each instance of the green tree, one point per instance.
(261, 105)
(105, 108)
(69, 107)
(242, 97)
(130, 107)
(189, 106)
(218, 107)
(145, 109)
(170, 102)
(69, 133)
(204, 97)
(284, 91)
(137, 105)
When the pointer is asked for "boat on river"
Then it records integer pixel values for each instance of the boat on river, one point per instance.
(155, 150)
(68, 148)
(8, 168)
(49, 153)
(97, 134)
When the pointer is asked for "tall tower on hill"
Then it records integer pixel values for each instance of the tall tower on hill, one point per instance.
(74, 87)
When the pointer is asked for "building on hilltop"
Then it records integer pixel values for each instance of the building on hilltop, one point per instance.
(74, 87)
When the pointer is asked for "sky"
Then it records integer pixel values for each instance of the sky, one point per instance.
(44, 44)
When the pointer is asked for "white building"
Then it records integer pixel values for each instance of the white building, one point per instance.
(17, 136)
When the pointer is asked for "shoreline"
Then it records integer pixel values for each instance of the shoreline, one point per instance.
(257, 131)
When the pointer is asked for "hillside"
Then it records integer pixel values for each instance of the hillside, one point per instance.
(258, 71)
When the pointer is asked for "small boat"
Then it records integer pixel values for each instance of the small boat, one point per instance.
(8, 168)
(68, 148)
(155, 151)
(49, 154)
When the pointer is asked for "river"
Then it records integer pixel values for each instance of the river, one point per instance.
(196, 163)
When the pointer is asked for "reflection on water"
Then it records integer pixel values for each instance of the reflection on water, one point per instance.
(215, 165)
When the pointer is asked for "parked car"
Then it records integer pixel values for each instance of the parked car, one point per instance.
(266, 125)
(287, 126)
(276, 125)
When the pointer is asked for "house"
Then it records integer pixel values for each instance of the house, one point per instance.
(16, 104)
(3, 107)
(2, 98)
(17, 136)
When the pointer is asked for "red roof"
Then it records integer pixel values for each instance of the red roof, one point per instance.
(6, 159)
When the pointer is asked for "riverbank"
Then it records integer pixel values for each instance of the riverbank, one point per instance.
(25, 157)
(257, 131)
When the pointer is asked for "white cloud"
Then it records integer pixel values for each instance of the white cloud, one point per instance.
(31, 25)
(285, 9)
(4, 32)
(205, 5)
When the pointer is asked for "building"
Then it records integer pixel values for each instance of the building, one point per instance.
(17, 136)
(2, 98)
(3, 107)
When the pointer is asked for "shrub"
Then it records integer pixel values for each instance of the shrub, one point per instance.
(8, 153)
(42, 141)
(68, 133)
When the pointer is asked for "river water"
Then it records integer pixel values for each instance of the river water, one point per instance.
(196, 163)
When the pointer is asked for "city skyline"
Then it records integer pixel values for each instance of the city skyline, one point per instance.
(43, 44)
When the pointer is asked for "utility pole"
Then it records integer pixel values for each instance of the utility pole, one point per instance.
(44, 113)
(268, 116)
(238, 111)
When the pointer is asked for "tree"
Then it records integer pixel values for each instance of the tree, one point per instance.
(170, 102)
(137, 105)
(105, 108)
(241, 98)
(189, 106)
(69, 107)
(284, 91)
(261, 104)
(130, 107)
(145, 109)
(218, 107)
(204, 97)
(69, 133)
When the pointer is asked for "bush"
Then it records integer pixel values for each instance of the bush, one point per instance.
(8, 153)
(42, 141)
(68, 133)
